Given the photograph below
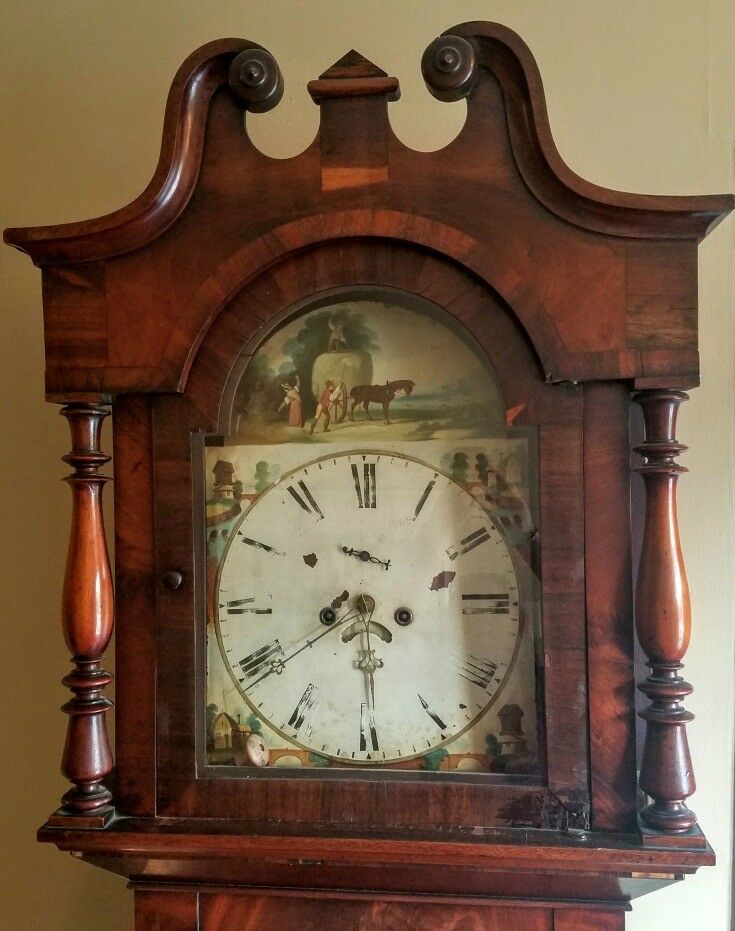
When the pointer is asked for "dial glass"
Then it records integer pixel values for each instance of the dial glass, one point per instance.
(371, 590)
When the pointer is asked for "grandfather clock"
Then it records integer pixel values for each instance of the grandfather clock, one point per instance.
(374, 599)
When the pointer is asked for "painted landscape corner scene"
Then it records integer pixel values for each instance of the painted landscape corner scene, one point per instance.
(506, 750)
(361, 370)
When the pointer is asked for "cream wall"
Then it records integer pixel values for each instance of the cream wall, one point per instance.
(641, 97)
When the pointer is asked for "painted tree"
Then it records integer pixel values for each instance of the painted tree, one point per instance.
(432, 760)
(254, 723)
(460, 467)
(259, 392)
(317, 760)
(493, 746)
(262, 476)
(482, 465)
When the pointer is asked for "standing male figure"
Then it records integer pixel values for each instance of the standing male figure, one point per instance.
(337, 339)
(326, 400)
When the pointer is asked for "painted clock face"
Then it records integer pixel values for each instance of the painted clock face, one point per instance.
(367, 608)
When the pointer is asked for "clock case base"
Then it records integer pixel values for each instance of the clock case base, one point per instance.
(220, 910)
(514, 875)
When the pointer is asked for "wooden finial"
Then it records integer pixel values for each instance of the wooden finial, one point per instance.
(87, 620)
(663, 621)
(449, 67)
(353, 76)
(256, 79)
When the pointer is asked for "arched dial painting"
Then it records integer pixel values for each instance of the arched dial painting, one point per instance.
(371, 542)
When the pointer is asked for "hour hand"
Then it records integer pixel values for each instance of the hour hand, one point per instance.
(365, 556)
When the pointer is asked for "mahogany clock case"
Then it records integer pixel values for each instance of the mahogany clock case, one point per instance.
(581, 299)
(353, 799)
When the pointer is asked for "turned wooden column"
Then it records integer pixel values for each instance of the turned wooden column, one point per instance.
(87, 619)
(663, 621)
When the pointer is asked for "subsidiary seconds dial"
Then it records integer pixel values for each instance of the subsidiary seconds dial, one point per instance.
(368, 608)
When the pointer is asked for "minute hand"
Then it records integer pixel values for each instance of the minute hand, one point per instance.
(365, 556)
(347, 616)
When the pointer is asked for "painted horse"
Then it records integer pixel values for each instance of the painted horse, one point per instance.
(380, 394)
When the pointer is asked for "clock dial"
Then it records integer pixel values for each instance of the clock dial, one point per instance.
(368, 608)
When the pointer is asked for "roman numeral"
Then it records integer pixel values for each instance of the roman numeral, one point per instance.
(267, 658)
(424, 496)
(494, 604)
(367, 729)
(480, 672)
(468, 543)
(305, 709)
(309, 505)
(432, 714)
(246, 606)
(366, 491)
(261, 546)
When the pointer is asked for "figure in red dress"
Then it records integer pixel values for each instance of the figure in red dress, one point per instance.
(293, 400)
